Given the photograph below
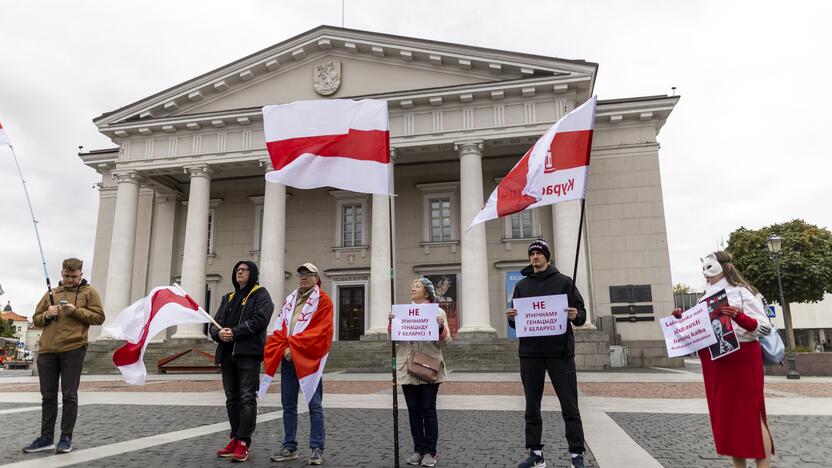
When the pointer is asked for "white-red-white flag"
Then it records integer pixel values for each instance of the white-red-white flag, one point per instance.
(336, 142)
(4, 138)
(164, 307)
(554, 170)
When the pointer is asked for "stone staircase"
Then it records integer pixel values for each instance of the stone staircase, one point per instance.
(482, 355)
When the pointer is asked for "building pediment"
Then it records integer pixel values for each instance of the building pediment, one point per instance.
(330, 62)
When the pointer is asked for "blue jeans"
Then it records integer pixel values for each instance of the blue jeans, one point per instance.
(289, 388)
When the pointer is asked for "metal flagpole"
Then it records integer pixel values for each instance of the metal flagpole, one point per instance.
(35, 224)
(577, 250)
(393, 343)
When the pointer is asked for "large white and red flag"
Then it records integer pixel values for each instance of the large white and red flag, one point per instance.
(338, 143)
(309, 340)
(164, 307)
(4, 138)
(554, 170)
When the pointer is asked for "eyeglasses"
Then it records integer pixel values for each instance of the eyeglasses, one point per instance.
(306, 275)
(243, 269)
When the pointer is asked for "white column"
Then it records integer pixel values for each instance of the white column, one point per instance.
(194, 263)
(476, 316)
(161, 249)
(380, 297)
(273, 241)
(566, 216)
(122, 246)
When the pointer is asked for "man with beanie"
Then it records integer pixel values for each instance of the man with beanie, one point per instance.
(553, 354)
(244, 315)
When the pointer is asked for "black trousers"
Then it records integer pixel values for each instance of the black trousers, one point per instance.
(66, 368)
(562, 374)
(240, 380)
(424, 422)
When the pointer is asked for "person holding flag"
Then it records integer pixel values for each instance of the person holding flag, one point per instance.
(300, 346)
(554, 170)
(244, 315)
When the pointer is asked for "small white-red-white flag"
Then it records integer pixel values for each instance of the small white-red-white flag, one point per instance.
(338, 143)
(4, 138)
(554, 170)
(137, 324)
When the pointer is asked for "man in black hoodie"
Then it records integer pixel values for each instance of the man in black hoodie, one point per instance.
(555, 354)
(244, 315)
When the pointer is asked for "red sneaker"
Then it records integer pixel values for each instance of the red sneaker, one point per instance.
(228, 450)
(240, 452)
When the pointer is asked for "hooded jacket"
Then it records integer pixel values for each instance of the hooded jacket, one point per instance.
(547, 283)
(68, 331)
(247, 312)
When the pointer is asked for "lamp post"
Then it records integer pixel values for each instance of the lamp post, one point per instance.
(774, 243)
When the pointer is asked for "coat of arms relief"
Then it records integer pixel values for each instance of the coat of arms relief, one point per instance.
(326, 77)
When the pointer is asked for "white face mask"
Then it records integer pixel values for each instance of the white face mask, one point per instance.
(710, 266)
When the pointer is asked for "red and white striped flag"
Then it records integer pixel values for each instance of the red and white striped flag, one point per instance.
(164, 307)
(337, 143)
(4, 139)
(554, 170)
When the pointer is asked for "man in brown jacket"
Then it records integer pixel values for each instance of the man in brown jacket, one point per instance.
(62, 347)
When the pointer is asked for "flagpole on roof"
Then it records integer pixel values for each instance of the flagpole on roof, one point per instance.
(35, 224)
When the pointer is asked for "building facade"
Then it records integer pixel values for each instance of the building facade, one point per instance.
(183, 195)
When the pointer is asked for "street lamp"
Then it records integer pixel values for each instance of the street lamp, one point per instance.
(774, 243)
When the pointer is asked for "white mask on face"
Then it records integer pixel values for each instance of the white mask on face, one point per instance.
(711, 266)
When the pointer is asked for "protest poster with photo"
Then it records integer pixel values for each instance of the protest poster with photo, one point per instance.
(690, 333)
(414, 322)
(726, 339)
(541, 315)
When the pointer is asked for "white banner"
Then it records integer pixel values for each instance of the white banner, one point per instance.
(415, 322)
(690, 333)
(541, 315)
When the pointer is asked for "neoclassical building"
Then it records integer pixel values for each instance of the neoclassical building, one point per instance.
(183, 194)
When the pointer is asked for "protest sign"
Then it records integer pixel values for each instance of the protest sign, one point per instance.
(414, 322)
(690, 333)
(541, 315)
(726, 339)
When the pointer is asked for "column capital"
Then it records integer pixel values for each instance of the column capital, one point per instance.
(469, 146)
(267, 164)
(202, 170)
(128, 177)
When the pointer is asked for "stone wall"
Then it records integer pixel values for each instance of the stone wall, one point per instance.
(807, 364)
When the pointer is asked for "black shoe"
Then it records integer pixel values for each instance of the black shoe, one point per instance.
(64, 445)
(578, 462)
(534, 461)
(39, 445)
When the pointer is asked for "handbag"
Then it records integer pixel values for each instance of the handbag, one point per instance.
(772, 345)
(423, 367)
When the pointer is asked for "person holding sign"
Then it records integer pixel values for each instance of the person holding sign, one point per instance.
(554, 353)
(419, 393)
(734, 382)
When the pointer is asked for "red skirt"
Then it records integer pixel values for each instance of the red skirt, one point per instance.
(736, 404)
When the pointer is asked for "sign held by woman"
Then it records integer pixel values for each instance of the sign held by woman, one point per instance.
(415, 322)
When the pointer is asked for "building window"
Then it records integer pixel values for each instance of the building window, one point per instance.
(522, 225)
(440, 219)
(352, 220)
(212, 217)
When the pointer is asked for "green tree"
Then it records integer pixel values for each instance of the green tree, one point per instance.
(805, 263)
(681, 288)
(7, 329)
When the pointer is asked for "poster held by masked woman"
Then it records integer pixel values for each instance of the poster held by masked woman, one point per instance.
(726, 340)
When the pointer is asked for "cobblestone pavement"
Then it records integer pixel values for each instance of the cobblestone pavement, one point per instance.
(104, 424)
(685, 440)
(360, 437)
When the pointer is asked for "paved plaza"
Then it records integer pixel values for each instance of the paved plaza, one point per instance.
(632, 418)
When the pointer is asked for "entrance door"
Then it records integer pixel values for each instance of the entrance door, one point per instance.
(350, 312)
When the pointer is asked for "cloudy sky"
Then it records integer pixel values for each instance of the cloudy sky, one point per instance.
(744, 147)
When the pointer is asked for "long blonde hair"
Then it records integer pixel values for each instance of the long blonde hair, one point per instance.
(733, 275)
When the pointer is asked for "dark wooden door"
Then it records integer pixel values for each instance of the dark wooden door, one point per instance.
(351, 312)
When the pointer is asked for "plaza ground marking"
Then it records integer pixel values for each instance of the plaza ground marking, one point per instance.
(610, 445)
(94, 453)
(20, 410)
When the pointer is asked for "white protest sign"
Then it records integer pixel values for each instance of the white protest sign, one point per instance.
(690, 333)
(415, 322)
(541, 315)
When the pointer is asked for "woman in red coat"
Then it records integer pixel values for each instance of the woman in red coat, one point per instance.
(734, 381)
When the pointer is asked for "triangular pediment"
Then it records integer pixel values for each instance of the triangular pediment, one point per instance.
(360, 63)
